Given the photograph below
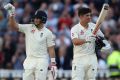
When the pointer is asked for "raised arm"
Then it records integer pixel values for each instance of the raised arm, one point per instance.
(12, 23)
(11, 11)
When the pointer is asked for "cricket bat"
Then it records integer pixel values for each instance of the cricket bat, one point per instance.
(101, 17)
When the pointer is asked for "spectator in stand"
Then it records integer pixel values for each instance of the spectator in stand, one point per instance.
(65, 23)
(3, 21)
(43, 6)
(8, 48)
(52, 21)
(113, 62)
(27, 13)
(57, 6)
(19, 56)
(1, 53)
(68, 6)
(66, 19)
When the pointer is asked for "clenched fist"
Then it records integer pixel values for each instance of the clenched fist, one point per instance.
(10, 8)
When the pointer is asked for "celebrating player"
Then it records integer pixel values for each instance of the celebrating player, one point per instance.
(39, 42)
(84, 66)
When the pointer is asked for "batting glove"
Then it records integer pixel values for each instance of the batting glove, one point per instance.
(107, 46)
(10, 8)
(53, 68)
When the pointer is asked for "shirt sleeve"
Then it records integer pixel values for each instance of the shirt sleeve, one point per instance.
(74, 33)
(23, 27)
(99, 33)
(50, 39)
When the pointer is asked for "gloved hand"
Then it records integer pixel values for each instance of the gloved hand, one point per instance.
(10, 8)
(53, 69)
(90, 39)
(106, 47)
(99, 42)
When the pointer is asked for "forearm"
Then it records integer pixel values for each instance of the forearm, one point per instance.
(52, 65)
(52, 53)
(12, 23)
(78, 41)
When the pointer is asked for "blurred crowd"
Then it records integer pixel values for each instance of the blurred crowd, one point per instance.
(62, 15)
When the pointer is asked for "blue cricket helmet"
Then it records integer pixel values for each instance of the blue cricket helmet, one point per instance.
(41, 15)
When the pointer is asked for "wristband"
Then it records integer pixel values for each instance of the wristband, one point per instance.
(53, 60)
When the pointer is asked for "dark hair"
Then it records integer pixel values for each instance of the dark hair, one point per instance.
(83, 10)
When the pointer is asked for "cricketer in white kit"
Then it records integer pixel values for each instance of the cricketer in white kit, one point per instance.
(84, 65)
(39, 42)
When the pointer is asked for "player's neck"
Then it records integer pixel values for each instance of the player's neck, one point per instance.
(84, 24)
(39, 27)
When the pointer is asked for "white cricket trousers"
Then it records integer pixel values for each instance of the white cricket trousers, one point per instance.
(35, 69)
(84, 67)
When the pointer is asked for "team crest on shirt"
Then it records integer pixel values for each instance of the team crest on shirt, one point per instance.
(81, 32)
(41, 35)
(33, 30)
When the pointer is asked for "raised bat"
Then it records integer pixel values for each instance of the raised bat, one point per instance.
(101, 17)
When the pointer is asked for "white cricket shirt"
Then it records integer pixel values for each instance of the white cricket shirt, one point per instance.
(78, 31)
(37, 41)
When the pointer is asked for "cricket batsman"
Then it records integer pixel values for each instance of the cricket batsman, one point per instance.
(84, 65)
(39, 45)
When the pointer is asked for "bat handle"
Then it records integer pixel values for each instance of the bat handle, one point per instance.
(96, 29)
